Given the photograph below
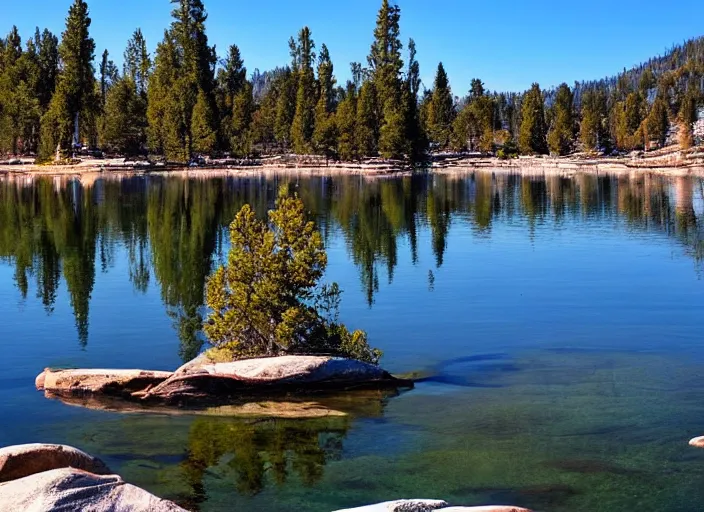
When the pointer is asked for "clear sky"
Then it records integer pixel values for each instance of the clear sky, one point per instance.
(508, 44)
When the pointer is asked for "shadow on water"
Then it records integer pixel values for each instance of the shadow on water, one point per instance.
(468, 371)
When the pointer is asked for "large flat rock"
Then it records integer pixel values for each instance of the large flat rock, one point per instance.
(203, 382)
(286, 369)
(99, 382)
(203, 379)
(24, 460)
(68, 489)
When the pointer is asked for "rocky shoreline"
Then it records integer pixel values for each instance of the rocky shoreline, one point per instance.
(668, 161)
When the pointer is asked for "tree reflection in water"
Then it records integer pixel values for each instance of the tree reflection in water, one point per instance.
(172, 229)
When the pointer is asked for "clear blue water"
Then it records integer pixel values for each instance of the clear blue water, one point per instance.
(558, 320)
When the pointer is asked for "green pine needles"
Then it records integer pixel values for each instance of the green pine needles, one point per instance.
(267, 300)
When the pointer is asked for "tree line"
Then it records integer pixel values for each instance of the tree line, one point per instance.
(186, 101)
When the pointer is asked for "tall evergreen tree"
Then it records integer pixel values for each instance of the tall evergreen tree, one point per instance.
(203, 134)
(304, 118)
(442, 109)
(686, 118)
(657, 124)
(242, 113)
(561, 135)
(75, 91)
(531, 139)
(108, 75)
(124, 118)
(230, 81)
(386, 66)
(138, 63)
(47, 45)
(414, 128)
(286, 107)
(184, 76)
(19, 106)
(166, 70)
(325, 133)
(366, 134)
(626, 119)
(593, 132)
(346, 123)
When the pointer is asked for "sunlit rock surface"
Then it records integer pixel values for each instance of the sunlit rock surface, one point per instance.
(73, 489)
(98, 382)
(204, 380)
(20, 461)
(203, 383)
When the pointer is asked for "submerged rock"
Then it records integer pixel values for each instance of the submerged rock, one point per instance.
(73, 489)
(402, 506)
(697, 442)
(485, 509)
(99, 382)
(428, 506)
(21, 461)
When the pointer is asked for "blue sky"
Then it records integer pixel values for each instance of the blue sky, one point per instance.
(507, 44)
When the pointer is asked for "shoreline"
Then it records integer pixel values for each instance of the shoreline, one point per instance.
(673, 164)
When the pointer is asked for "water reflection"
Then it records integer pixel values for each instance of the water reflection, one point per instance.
(250, 454)
(173, 228)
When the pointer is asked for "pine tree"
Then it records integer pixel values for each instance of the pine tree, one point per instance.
(686, 118)
(325, 133)
(270, 86)
(138, 64)
(286, 108)
(476, 89)
(230, 82)
(166, 70)
(184, 79)
(242, 112)
(19, 105)
(75, 91)
(108, 76)
(366, 135)
(124, 118)
(561, 135)
(386, 66)
(47, 45)
(203, 134)
(626, 119)
(531, 139)
(346, 123)
(304, 119)
(414, 128)
(592, 132)
(657, 124)
(442, 109)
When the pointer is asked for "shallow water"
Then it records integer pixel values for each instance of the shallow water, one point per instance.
(555, 322)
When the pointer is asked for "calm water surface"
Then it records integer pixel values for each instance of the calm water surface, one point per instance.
(559, 321)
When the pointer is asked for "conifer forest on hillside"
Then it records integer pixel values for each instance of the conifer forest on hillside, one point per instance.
(184, 100)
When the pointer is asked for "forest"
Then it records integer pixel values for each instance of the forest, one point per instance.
(185, 101)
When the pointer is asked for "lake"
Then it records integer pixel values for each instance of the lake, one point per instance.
(558, 322)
